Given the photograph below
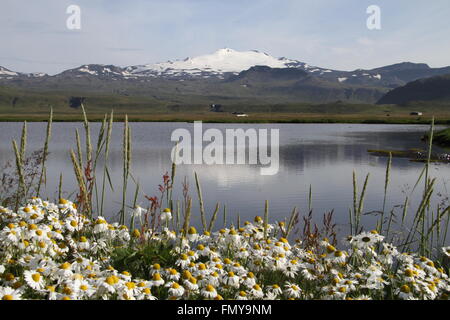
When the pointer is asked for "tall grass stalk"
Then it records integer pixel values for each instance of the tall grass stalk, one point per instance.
(105, 165)
(187, 217)
(126, 166)
(292, 221)
(136, 193)
(386, 184)
(88, 135)
(214, 217)
(266, 218)
(172, 176)
(310, 198)
(23, 143)
(19, 167)
(81, 182)
(60, 186)
(79, 151)
(43, 174)
(358, 202)
(200, 200)
(224, 215)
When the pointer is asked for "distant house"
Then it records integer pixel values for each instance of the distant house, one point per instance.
(215, 108)
(76, 102)
(416, 113)
(240, 114)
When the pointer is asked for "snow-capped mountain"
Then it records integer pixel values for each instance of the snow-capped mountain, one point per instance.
(226, 63)
(8, 74)
(222, 62)
(97, 70)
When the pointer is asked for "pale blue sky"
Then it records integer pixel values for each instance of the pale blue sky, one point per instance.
(325, 33)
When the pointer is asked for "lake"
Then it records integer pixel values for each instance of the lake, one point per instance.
(321, 155)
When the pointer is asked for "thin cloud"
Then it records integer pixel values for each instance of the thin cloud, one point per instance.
(326, 33)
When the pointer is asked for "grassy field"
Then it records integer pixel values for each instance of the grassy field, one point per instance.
(18, 104)
(289, 113)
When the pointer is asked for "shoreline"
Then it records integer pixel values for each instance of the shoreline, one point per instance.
(253, 118)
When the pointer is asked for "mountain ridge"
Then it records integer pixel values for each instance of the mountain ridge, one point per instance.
(229, 74)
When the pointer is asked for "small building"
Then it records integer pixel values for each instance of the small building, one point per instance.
(76, 102)
(416, 113)
(215, 108)
(240, 114)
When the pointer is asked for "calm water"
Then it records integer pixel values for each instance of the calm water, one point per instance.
(321, 155)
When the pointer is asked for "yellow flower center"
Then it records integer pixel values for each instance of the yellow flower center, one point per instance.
(130, 285)
(409, 273)
(175, 285)
(136, 233)
(67, 290)
(156, 277)
(338, 253)
(9, 277)
(50, 288)
(405, 289)
(111, 280)
(65, 266)
(36, 277)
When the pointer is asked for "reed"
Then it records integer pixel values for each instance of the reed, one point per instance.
(386, 184)
(88, 135)
(106, 174)
(187, 217)
(358, 202)
(23, 143)
(266, 218)
(126, 166)
(83, 195)
(19, 167)
(200, 200)
(214, 217)
(60, 186)
(224, 215)
(42, 176)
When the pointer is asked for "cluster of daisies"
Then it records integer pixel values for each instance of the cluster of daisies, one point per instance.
(51, 251)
